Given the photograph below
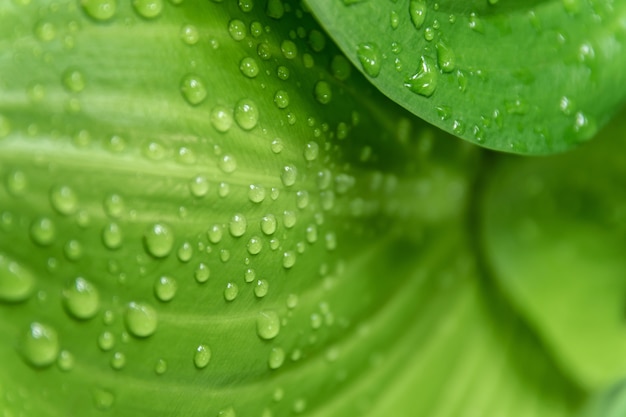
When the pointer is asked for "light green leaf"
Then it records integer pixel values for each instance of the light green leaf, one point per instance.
(526, 77)
(554, 233)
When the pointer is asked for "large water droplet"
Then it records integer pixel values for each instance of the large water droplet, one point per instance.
(261, 288)
(281, 99)
(64, 200)
(99, 9)
(268, 224)
(40, 345)
(189, 34)
(276, 358)
(369, 57)
(424, 81)
(141, 319)
(42, 231)
(221, 118)
(231, 291)
(237, 225)
(159, 240)
(322, 92)
(165, 288)
(81, 299)
(246, 114)
(249, 67)
(202, 356)
(417, 11)
(289, 49)
(267, 324)
(288, 175)
(16, 282)
(256, 193)
(193, 89)
(255, 245)
(112, 236)
(228, 163)
(445, 57)
(237, 29)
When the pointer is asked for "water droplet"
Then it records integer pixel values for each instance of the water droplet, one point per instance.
(189, 34)
(215, 233)
(256, 193)
(5, 126)
(114, 206)
(103, 399)
(99, 9)
(249, 67)
(281, 99)
(268, 224)
(246, 5)
(64, 200)
(246, 114)
(106, 341)
(148, 8)
(282, 72)
(231, 291)
(199, 186)
(249, 275)
(65, 361)
(316, 321)
(159, 239)
(16, 182)
(223, 189)
(202, 357)
(261, 288)
(331, 241)
(267, 324)
(45, 31)
(299, 405)
(165, 288)
(311, 151)
(42, 231)
(227, 412)
(221, 118)
(40, 345)
(275, 9)
(160, 367)
(276, 358)
(289, 259)
(292, 301)
(369, 57)
(118, 360)
(288, 175)
(323, 94)
(516, 106)
(193, 89)
(237, 29)
(16, 282)
(202, 273)
(277, 146)
(185, 252)
(417, 11)
(74, 80)
(424, 81)
(289, 219)
(445, 57)
(112, 236)
(289, 49)
(255, 245)
(228, 163)
(141, 319)
(476, 24)
(81, 299)
(237, 225)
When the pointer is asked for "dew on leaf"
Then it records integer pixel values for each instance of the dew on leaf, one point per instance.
(215, 233)
(118, 360)
(43, 231)
(261, 288)
(65, 361)
(424, 81)
(249, 67)
(16, 182)
(237, 225)
(202, 356)
(246, 5)
(275, 9)
(289, 49)
(417, 12)
(268, 224)
(64, 200)
(276, 358)
(73, 250)
(311, 151)
(45, 31)
(369, 57)
(81, 299)
(199, 186)
(103, 399)
(256, 193)
(281, 99)
(40, 345)
(112, 235)
(237, 29)
(100, 10)
(227, 412)
(231, 291)
(322, 92)
(282, 72)
(185, 252)
(106, 341)
(141, 319)
(249, 275)
(158, 240)
(289, 218)
(255, 245)
(114, 205)
(221, 118)
(267, 324)
(446, 58)
(74, 80)
(288, 175)
(246, 114)
(148, 9)
(165, 288)
(227, 163)
(189, 34)
(202, 273)
(292, 301)
(160, 367)
(289, 259)
(16, 281)
(193, 89)
(340, 67)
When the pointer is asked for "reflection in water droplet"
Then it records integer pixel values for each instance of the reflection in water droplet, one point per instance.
(417, 11)
(238, 225)
(202, 273)
(246, 114)
(81, 299)
(369, 57)
(231, 291)
(159, 239)
(202, 356)
(221, 118)
(424, 81)
(193, 89)
(165, 288)
(40, 345)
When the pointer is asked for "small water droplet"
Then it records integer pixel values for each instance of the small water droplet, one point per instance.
(289, 218)
(311, 151)
(288, 175)
(227, 412)
(81, 299)
(74, 80)
(446, 58)
(43, 231)
(424, 81)
(237, 225)
(275, 9)
(369, 57)
(221, 118)
(292, 301)
(118, 360)
(202, 273)
(322, 92)
(223, 189)
(246, 114)
(282, 72)
(106, 341)
(276, 358)
(141, 319)
(148, 9)
(228, 163)
(246, 5)
(99, 9)
(268, 224)
(255, 245)
(231, 291)
(103, 399)
(160, 367)
(268, 324)
(261, 288)
(281, 99)
(16, 282)
(299, 406)
(165, 288)
(249, 67)
(112, 236)
(189, 34)
(40, 345)
(199, 186)
(249, 275)
(114, 205)
(237, 29)
(65, 361)
(289, 259)
(202, 356)
(215, 233)
(64, 200)
(256, 193)
(289, 49)
(159, 239)
(193, 89)
(476, 24)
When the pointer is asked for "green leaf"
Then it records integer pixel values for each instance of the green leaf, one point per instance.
(525, 77)
(554, 233)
